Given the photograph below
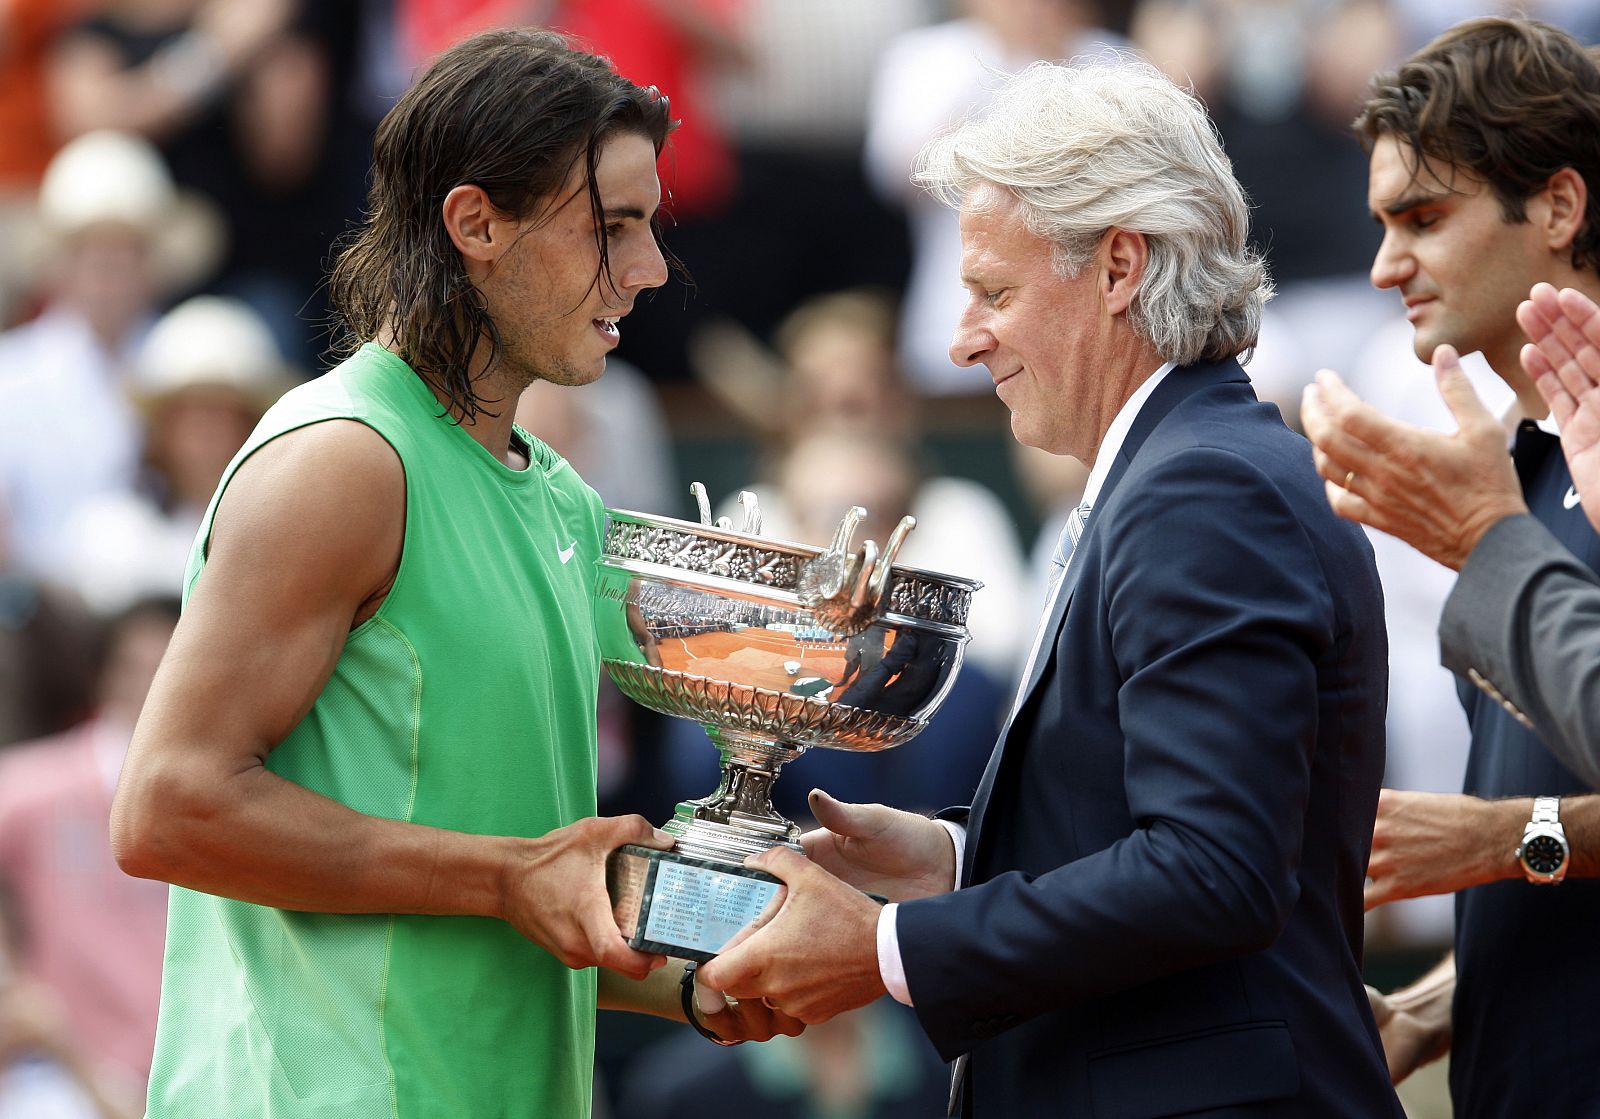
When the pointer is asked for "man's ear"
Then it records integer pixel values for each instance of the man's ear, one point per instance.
(477, 230)
(1124, 255)
(1567, 196)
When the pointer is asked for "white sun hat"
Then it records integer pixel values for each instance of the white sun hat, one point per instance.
(118, 178)
(213, 342)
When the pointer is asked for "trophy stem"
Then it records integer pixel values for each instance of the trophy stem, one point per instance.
(738, 819)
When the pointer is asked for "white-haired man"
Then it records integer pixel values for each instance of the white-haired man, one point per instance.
(1160, 875)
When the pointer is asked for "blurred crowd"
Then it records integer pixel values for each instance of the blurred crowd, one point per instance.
(174, 175)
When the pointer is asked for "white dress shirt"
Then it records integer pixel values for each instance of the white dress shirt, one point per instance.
(890, 964)
(68, 431)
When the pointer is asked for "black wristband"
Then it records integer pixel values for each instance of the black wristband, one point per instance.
(686, 989)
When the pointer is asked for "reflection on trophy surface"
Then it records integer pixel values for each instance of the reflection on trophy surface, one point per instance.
(773, 647)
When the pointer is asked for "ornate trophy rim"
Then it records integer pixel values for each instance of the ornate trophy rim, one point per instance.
(776, 544)
(793, 721)
(762, 566)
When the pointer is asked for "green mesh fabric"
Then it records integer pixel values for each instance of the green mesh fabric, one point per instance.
(466, 702)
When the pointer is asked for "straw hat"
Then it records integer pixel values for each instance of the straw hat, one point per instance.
(212, 342)
(118, 178)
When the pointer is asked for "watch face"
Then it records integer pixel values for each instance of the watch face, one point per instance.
(1543, 854)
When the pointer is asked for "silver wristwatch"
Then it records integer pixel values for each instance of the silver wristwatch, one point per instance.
(1544, 852)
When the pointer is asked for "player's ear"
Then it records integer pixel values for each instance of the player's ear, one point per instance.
(476, 228)
(1566, 203)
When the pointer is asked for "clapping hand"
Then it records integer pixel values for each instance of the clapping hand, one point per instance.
(1563, 359)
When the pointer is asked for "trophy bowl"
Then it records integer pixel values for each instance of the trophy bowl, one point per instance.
(773, 647)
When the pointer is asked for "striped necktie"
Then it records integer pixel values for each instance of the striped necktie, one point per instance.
(1068, 541)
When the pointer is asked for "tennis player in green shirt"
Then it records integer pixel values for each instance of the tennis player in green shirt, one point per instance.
(368, 761)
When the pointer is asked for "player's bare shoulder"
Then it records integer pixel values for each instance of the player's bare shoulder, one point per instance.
(321, 505)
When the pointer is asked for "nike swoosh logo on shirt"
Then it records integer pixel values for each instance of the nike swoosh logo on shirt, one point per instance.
(566, 553)
(1571, 499)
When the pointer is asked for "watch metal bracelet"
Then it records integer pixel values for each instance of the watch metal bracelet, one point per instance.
(1544, 851)
(686, 992)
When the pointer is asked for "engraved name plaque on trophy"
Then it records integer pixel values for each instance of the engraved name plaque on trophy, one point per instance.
(773, 647)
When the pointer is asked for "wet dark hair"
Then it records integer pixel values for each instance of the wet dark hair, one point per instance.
(513, 112)
(1511, 100)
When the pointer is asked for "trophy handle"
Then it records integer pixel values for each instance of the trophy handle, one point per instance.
(880, 577)
(862, 597)
(702, 502)
(752, 513)
(867, 574)
(832, 566)
(747, 501)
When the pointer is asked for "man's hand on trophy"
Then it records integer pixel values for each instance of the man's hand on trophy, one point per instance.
(553, 890)
(817, 956)
(899, 855)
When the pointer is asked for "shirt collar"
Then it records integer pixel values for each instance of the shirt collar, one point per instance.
(1547, 425)
(1118, 431)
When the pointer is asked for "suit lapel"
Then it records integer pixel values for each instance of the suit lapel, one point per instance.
(1179, 384)
(1047, 652)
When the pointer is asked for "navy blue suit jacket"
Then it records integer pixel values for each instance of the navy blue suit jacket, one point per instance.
(1161, 912)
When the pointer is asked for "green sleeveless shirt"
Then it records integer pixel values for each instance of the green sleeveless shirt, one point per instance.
(466, 702)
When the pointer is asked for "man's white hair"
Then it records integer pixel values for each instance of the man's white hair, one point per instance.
(1112, 143)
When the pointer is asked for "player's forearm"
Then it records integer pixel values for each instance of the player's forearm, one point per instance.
(257, 837)
(659, 993)
(1489, 841)
(1580, 816)
(1428, 1001)
(1497, 834)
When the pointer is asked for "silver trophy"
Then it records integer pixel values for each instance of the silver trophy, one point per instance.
(773, 647)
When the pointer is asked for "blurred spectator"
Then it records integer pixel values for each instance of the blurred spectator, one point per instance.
(113, 237)
(27, 131)
(870, 1064)
(805, 90)
(428, 27)
(252, 103)
(839, 375)
(47, 639)
(28, 29)
(206, 373)
(929, 79)
(1283, 80)
(94, 936)
(675, 45)
(1424, 19)
(155, 67)
(42, 1074)
(802, 220)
